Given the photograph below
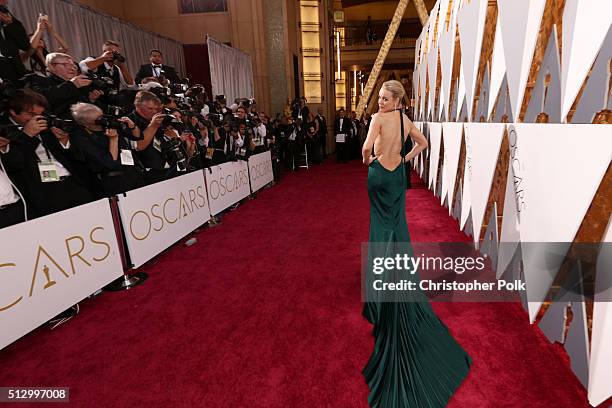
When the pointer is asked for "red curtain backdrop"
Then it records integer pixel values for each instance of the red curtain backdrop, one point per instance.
(197, 66)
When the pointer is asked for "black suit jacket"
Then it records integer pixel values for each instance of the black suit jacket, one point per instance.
(305, 113)
(60, 94)
(146, 71)
(346, 126)
(322, 125)
(21, 165)
(15, 39)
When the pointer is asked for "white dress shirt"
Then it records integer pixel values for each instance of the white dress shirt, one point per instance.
(45, 155)
(110, 67)
(7, 194)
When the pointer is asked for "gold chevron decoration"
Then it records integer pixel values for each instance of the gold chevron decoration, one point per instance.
(382, 55)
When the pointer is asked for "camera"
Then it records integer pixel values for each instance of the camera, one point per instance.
(104, 84)
(161, 92)
(63, 124)
(216, 119)
(4, 9)
(178, 88)
(111, 122)
(170, 120)
(118, 57)
(172, 150)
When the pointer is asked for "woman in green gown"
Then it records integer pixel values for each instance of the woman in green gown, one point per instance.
(415, 362)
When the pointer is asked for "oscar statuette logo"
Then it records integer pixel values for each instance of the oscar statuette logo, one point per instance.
(56, 266)
(50, 282)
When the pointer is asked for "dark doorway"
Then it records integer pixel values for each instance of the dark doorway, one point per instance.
(296, 76)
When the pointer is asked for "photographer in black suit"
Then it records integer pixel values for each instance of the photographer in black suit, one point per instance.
(45, 166)
(63, 87)
(11, 204)
(342, 127)
(157, 69)
(105, 143)
(13, 37)
(322, 127)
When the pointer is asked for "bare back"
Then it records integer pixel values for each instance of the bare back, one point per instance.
(387, 143)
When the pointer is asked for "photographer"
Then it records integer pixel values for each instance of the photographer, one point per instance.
(103, 141)
(14, 38)
(342, 129)
(110, 64)
(11, 204)
(295, 143)
(312, 141)
(259, 135)
(300, 110)
(46, 167)
(159, 147)
(185, 132)
(219, 106)
(234, 140)
(322, 125)
(63, 87)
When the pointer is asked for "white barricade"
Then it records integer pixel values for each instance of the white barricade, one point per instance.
(227, 184)
(52, 263)
(260, 170)
(156, 216)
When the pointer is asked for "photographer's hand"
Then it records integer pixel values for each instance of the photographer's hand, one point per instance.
(171, 133)
(94, 95)
(107, 56)
(6, 18)
(62, 136)
(80, 81)
(4, 143)
(35, 125)
(157, 120)
(42, 23)
(113, 142)
(111, 133)
(135, 130)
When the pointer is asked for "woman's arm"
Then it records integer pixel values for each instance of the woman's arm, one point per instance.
(63, 46)
(368, 145)
(420, 142)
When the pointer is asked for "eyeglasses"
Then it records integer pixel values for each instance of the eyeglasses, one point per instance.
(64, 63)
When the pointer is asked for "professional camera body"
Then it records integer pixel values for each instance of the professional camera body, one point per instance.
(112, 122)
(63, 124)
(104, 84)
(118, 57)
(172, 150)
(171, 121)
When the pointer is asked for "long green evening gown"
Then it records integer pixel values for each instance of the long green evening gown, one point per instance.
(416, 362)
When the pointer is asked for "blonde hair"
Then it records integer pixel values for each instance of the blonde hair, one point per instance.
(396, 88)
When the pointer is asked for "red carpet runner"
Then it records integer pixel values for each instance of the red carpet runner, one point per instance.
(265, 311)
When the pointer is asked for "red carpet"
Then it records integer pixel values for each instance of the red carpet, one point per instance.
(265, 311)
